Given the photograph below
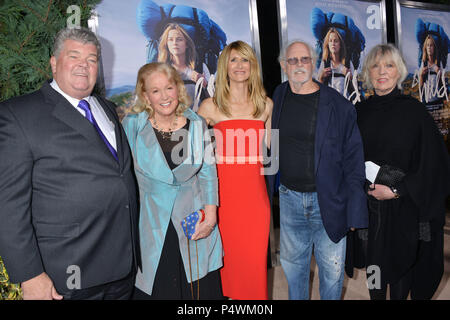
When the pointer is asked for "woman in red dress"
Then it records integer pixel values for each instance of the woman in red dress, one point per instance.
(240, 113)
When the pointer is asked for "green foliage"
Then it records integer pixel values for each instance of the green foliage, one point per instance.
(8, 291)
(27, 30)
(123, 99)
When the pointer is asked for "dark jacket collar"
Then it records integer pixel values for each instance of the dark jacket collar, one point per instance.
(395, 93)
(65, 112)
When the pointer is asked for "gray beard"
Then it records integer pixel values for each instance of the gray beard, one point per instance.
(299, 84)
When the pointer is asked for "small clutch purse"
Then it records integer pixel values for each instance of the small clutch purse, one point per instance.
(389, 175)
(188, 224)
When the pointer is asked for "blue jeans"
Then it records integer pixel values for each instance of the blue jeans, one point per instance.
(301, 227)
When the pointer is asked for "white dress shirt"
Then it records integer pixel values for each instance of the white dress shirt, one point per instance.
(99, 114)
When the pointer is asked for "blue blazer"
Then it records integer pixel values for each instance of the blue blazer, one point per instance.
(338, 162)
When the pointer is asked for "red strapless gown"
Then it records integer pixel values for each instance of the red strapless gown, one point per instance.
(244, 209)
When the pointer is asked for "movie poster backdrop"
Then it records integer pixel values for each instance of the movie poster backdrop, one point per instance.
(341, 31)
(135, 32)
(422, 36)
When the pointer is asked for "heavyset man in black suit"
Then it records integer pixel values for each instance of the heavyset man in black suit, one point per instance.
(68, 196)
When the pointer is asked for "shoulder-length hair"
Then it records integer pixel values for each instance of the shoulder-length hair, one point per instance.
(383, 52)
(163, 50)
(144, 73)
(256, 91)
(425, 53)
(326, 48)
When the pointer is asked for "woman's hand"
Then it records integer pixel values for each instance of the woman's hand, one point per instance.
(347, 70)
(195, 76)
(325, 74)
(380, 192)
(204, 229)
(424, 71)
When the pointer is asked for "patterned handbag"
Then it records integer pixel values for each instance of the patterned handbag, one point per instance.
(188, 224)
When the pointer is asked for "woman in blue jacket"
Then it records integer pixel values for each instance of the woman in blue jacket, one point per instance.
(176, 172)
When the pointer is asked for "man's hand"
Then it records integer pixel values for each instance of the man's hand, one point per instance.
(40, 288)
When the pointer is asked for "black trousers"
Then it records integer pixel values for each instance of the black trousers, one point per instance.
(117, 290)
(398, 291)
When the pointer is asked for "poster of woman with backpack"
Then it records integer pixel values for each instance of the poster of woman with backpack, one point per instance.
(333, 69)
(341, 32)
(423, 31)
(431, 70)
(185, 37)
(177, 49)
(137, 32)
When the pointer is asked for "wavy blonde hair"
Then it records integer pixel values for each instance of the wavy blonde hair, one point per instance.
(163, 50)
(184, 101)
(256, 91)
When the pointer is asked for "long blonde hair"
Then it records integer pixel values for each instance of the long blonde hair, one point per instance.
(256, 91)
(326, 46)
(163, 50)
(144, 73)
(425, 53)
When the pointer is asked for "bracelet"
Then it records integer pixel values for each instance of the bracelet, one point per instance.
(203, 215)
(395, 192)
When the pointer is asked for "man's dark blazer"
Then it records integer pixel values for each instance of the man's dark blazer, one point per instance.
(338, 162)
(64, 200)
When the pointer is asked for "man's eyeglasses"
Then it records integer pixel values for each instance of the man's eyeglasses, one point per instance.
(295, 60)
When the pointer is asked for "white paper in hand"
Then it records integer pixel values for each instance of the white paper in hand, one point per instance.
(371, 171)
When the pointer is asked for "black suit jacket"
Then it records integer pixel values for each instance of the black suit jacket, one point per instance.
(64, 200)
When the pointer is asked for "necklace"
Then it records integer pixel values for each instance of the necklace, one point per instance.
(166, 134)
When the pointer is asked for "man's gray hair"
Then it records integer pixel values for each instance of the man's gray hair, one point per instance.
(82, 35)
(285, 48)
